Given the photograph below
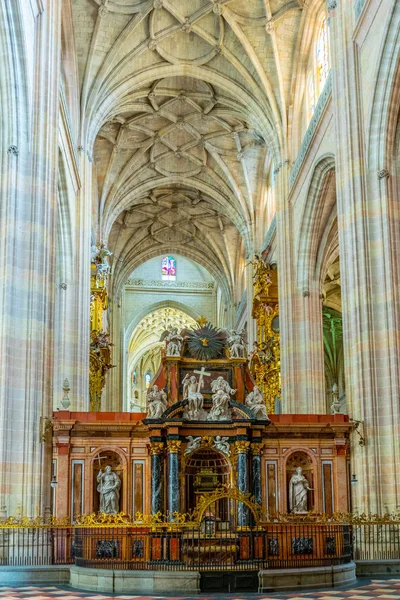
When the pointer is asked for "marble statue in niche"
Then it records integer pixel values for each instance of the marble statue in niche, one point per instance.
(298, 488)
(108, 487)
(193, 410)
(156, 402)
(255, 401)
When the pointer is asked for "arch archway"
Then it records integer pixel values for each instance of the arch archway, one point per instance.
(205, 470)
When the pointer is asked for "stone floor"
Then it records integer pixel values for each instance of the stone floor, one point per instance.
(384, 589)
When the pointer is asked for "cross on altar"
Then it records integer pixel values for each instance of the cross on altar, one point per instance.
(202, 372)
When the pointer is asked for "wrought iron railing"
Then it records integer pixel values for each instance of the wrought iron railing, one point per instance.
(205, 543)
(213, 546)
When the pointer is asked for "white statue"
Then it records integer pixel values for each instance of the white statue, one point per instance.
(156, 402)
(335, 406)
(237, 344)
(108, 487)
(220, 410)
(255, 401)
(173, 342)
(193, 410)
(194, 443)
(298, 488)
(99, 257)
(221, 384)
(222, 444)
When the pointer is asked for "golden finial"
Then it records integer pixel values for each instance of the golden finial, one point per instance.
(202, 321)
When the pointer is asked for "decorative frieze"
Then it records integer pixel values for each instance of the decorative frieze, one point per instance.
(158, 283)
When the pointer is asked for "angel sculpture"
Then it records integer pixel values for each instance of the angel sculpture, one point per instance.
(173, 341)
(193, 444)
(222, 444)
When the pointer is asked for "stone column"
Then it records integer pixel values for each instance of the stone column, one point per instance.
(368, 223)
(81, 322)
(287, 300)
(173, 447)
(241, 448)
(256, 448)
(157, 477)
(30, 70)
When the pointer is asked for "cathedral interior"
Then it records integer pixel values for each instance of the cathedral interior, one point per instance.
(199, 293)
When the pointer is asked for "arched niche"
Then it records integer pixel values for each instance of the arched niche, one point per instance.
(102, 457)
(302, 459)
(205, 470)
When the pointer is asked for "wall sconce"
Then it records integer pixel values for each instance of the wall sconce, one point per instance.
(354, 479)
(54, 482)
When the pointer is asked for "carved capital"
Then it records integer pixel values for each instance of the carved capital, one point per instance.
(242, 447)
(256, 448)
(174, 446)
(156, 448)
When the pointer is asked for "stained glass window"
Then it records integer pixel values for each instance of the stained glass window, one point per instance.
(134, 378)
(147, 379)
(322, 55)
(168, 268)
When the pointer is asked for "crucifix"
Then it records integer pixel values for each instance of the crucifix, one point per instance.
(99, 457)
(202, 372)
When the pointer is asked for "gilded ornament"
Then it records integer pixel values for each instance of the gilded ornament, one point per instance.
(174, 446)
(207, 442)
(231, 493)
(256, 448)
(242, 447)
(265, 356)
(156, 447)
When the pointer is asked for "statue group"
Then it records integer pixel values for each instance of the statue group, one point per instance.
(234, 341)
(221, 409)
